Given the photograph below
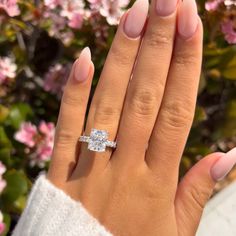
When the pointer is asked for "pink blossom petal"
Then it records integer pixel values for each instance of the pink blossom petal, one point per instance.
(213, 5)
(10, 6)
(26, 134)
(2, 227)
(7, 69)
(76, 21)
(2, 168)
(56, 78)
(229, 32)
(52, 3)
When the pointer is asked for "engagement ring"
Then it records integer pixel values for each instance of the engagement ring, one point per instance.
(98, 141)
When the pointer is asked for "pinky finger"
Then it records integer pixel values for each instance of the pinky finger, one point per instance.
(71, 119)
(196, 188)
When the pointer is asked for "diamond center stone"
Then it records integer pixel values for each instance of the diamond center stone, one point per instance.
(98, 140)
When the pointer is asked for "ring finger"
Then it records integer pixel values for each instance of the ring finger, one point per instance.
(105, 111)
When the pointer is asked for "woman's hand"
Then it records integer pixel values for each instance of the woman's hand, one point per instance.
(134, 190)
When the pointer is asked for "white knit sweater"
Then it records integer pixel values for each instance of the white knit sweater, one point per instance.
(50, 212)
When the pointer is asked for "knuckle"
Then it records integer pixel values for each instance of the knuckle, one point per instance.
(63, 138)
(104, 113)
(119, 55)
(158, 38)
(178, 114)
(184, 58)
(72, 99)
(143, 102)
(198, 195)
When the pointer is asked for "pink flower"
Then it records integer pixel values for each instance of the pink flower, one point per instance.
(7, 69)
(52, 3)
(111, 9)
(27, 134)
(2, 225)
(59, 23)
(230, 3)
(71, 7)
(45, 149)
(230, 33)
(44, 152)
(39, 140)
(67, 37)
(73, 10)
(56, 78)
(45, 146)
(76, 21)
(213, 5)
(46, 128)
(3, 183)
(10, 7)
(2, 168)
(65, 13)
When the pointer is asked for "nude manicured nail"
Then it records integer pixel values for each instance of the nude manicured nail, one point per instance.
(83, 64)
(224, 165)
(166, 7)
(187, 18)
(136, 18)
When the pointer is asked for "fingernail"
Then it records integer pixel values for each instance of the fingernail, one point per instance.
(166, 7)
(187, 18)
(82, 67)
(136, 18)
(224, 165)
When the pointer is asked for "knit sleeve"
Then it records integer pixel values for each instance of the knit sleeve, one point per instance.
(49, 211)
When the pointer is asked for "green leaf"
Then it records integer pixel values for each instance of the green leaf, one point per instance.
(229, 70)
(4, 140)
(16, 186)
(211, 50)
(231, 109)
(4, 111)
(230, 73)
(18, 113)
(198, 149)
(5, 156)
(18, 23)
(20, 203)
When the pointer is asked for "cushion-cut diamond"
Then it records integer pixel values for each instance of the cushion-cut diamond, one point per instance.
(98, 140)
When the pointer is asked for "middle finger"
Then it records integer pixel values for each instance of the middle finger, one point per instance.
(147, 86)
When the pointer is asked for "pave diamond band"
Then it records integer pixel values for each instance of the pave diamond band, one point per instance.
(98, 141)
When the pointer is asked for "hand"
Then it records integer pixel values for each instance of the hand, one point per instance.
(134, 189)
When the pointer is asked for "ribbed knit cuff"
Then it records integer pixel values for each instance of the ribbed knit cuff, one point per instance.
(51, 212)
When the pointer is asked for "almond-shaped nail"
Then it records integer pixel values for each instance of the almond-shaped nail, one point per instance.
(224, 165)
(136, 18)
(187, 18)
(166, 7)
(83, 64)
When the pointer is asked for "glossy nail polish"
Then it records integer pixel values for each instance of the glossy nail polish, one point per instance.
(187, 18)
(166, 7)
(136, 18)
(224, 165)
(82, 66)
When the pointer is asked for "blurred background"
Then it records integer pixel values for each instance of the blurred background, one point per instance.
(39, 41)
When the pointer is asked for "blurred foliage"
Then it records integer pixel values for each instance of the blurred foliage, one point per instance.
(35, 51)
